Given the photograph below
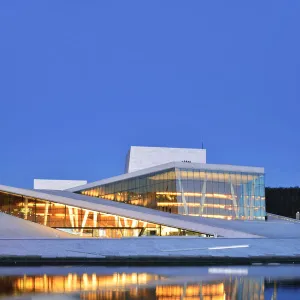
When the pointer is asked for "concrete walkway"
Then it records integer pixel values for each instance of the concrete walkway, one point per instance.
(151, 246)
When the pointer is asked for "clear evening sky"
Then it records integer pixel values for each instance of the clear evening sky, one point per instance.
(81, 81)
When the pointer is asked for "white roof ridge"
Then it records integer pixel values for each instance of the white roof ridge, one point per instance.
(166, 166)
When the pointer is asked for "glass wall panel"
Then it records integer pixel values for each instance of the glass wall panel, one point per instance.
(207, 193)
(18, 207)
(85, 222)
(5, 202)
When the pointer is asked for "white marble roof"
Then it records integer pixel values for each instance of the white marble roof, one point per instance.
(274, 228)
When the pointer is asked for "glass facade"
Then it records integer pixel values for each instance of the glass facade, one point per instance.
(206, 193)
(80, 221)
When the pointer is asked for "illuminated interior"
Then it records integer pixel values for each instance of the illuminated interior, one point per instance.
(216, 194)
(79, 221)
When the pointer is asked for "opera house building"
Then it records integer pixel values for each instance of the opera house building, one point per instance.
(163, 192)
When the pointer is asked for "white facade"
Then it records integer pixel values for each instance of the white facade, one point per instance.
(48, 184)
(139, 158)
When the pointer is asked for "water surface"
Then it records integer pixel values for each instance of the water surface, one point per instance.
(172, 283)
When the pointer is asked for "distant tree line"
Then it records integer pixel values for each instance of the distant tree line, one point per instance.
(283, 201)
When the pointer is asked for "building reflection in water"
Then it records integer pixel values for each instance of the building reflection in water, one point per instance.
(121, 286)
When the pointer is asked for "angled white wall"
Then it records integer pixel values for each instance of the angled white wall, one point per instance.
(145, 157)
(48, 184)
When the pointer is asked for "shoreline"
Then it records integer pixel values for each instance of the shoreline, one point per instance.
(32, 260)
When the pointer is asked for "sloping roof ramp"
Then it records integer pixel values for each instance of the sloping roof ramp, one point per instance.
(14, 227)
(196, 224)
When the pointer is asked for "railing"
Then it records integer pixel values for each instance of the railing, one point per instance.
(283, 218)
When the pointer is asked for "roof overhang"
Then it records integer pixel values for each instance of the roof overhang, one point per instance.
(168, 166)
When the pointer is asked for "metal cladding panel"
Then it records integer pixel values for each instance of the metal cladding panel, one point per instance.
(139, 158)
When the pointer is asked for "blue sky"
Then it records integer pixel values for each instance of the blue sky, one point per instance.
(81, 81)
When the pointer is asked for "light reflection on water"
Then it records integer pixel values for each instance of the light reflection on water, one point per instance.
(157, 283)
